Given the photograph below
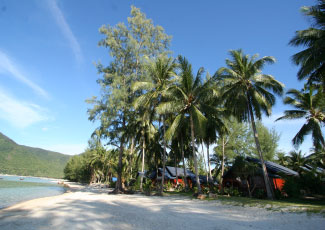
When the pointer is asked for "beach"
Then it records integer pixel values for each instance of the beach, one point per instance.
(87, 207)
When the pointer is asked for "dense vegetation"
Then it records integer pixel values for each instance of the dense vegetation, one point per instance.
(155, 109)
(27, 161)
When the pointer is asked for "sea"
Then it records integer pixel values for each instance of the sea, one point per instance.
(15, 189)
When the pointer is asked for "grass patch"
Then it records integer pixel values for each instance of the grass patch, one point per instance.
(290, 205)
(285, 205)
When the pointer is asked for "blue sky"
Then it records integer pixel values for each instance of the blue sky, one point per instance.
(48, 50)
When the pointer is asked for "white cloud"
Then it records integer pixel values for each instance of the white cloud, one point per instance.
(44, 129)
(20, 114)
(7, 66)
(65, 28)
(69, 149)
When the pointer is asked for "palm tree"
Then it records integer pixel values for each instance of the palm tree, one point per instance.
(246, 93)
(312, 59)
(181, 135)
(215, 124)
(297, 160)
(187, 98)
(160, 73)
(310, 106)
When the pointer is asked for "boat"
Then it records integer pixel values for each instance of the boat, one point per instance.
(21, 178)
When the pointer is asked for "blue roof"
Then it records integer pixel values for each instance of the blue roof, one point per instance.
(274, 167)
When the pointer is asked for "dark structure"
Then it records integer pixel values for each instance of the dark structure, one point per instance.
(170, 175)
(276, 172)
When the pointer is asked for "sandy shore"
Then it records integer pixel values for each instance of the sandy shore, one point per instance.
(93, 208)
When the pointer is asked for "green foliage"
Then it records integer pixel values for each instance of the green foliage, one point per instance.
(311, 59)
(309, 105)
(77, 168)
(27, 161)
(259, 193)
(129, 46)
(242, 168)
(239, 141)
(232, 191)
(307, 183)
(269, 139)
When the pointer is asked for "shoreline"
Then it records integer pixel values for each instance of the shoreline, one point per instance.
(52, 182)
(69, 187)
(91, 207)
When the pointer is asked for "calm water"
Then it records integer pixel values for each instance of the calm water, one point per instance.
(14, 190)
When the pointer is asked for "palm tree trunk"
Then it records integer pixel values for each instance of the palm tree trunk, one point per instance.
(194, 156)
(142, 162)
(208, 155)
(184, 167)
(222, 164)
(131, 160)
(164, 159)
(268, 187)
(118, 188)
(248, 188)
(205, 164)
(175, 161)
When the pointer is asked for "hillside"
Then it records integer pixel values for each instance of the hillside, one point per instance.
(27, 161)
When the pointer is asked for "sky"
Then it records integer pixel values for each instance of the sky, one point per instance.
(48, 51)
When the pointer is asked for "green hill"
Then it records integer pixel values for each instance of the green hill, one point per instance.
(27, 161)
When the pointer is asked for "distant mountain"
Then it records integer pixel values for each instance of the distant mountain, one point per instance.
(27, 161)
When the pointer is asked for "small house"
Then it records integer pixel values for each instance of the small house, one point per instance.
(276, 173)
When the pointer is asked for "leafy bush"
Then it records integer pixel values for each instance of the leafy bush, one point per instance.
(232, 191)
(180, 187)
(259, 193)
(307, 183)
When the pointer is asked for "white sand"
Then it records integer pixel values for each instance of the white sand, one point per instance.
(89, 208)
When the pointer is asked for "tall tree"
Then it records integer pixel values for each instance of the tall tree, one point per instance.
(235, 142)
(160, 73)
(188, 97)
(246, 94)
(268, 139)
(308, 105)
(312, 59)
(128, 46)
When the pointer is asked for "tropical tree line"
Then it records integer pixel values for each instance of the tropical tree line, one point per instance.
(155, 110)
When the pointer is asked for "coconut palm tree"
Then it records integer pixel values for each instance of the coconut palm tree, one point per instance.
(308, 105)
(297, 160)
(181, 135)
(246, 93)
(160, 73)
(312, 59)
(187, 98)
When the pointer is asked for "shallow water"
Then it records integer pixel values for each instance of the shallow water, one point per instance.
(14, 189)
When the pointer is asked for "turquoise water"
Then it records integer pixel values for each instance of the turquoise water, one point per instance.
(14, 189)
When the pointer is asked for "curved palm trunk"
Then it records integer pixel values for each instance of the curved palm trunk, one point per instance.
(184, 167)
(195, 159)
(164, 159)
(142, 161)
(268, 187)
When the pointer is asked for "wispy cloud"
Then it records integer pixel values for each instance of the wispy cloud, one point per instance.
(20, 114)
(65, 28)
(9, 67)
